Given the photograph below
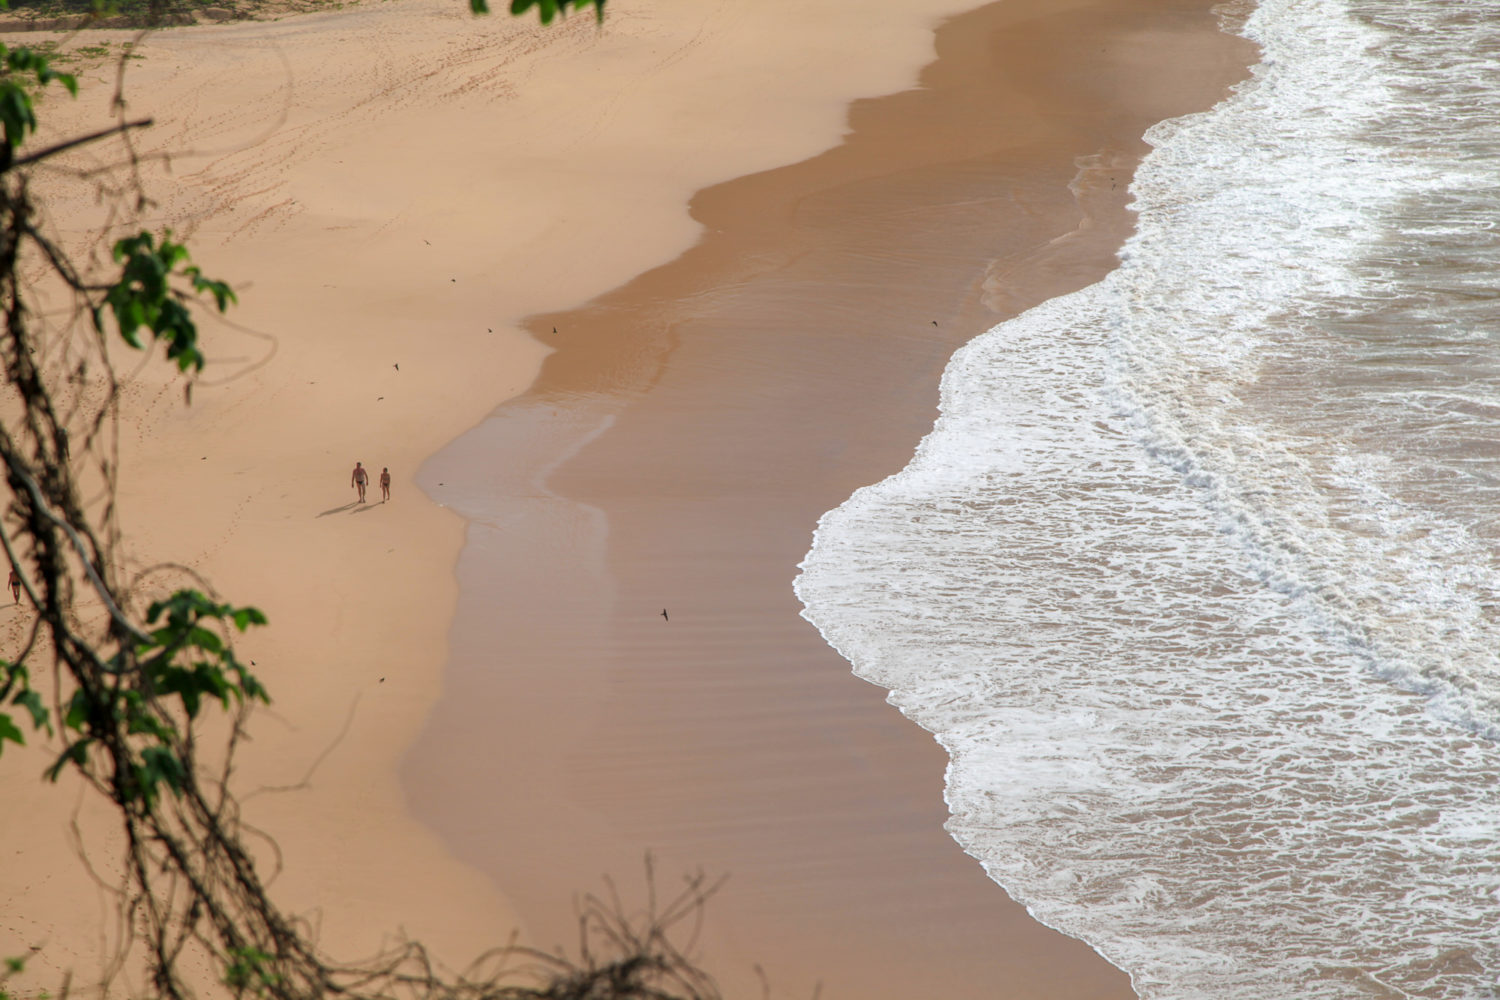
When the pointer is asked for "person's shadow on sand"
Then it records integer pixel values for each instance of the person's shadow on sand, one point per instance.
(340, 510)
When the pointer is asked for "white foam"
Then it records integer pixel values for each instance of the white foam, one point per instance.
(1195, 576)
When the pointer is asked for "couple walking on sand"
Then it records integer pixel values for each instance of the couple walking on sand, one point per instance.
(359, 478)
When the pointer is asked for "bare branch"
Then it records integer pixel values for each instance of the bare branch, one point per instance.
(81, 140)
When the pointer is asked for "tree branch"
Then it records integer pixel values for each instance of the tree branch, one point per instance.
(42, 507)
(105, 133)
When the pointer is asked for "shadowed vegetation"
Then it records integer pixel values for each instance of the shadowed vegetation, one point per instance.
(135, 683)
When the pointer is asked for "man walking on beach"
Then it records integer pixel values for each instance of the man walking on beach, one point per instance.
(385, 485)
(358, 478)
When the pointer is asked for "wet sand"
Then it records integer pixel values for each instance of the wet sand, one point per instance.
(675, 454)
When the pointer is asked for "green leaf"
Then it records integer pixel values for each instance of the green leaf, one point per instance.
(8, 731)
(548, 9)
(130, 314)
(202, 638)
(222, 293)
(148, 725)
(192, 685)
(251, 688)
(160, 765)
(14, 964)
(77, 753)
(32, 702)
(78, 711)
(244, 617)
(12, 674)
(16, 113)
(248, 970)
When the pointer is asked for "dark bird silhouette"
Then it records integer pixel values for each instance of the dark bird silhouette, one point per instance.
(664, 614)
(554, 329)
(397, 367)
(934, 322)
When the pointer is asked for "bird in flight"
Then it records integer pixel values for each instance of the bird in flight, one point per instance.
(664, 614)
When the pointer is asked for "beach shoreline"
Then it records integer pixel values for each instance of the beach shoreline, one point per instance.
(383, 286)
(707, 413)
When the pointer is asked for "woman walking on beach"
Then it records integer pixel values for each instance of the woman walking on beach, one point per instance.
(385, 484)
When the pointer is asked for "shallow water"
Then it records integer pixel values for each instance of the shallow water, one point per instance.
(1195, 578)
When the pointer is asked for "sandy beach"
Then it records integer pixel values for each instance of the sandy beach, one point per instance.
(754, 287)
(709, 412)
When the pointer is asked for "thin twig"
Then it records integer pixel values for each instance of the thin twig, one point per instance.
(81, 140)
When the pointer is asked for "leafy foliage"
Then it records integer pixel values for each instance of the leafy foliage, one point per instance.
(144, 296)
(134, 717)
(248, 970)
(23, 68)
(547, 9)
(16, 690)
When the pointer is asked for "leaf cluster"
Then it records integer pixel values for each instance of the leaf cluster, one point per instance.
(145, 297)
(547, 9)
(180, 663)
(21, 70)
(16, 690)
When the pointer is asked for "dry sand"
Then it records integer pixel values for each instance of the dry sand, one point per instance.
(400, 185)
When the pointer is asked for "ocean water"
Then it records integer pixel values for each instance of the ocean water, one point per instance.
(1197, 578)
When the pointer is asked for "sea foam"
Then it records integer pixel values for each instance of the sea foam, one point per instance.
(1195, 576)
